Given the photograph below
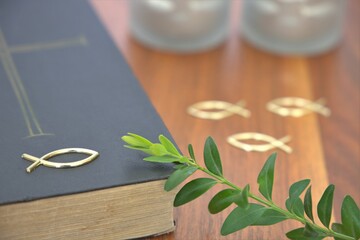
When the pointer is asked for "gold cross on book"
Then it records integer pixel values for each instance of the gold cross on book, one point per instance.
(31, 121)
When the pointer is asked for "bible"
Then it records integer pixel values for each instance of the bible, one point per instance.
(67, 95)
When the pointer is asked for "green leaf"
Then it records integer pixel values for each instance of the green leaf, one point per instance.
(294, 203)
(324, 207)
(297, 188)
(241, 218)
(145, 150)
(191, 151)
(180, 166)
(339, 228)
(266, 177)
(242, 199)
(141, 138)
(270, 217)
(310, 232)
(221, 200)
(308, 204)
(295, 206)
(158, 150)
(177, 177)
(132, 141)
(212, 157)
(193, 190)
(350, 217)
(136, 140)
(169, 146)
(298, 234)
(161, 159)
(183, 160)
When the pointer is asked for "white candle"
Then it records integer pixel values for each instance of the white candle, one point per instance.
(293, 26)
(179, 25)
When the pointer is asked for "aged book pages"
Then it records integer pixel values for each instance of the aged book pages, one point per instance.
(131, 211)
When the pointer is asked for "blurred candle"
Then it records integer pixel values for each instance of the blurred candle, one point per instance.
(293, 26)
(179, 25)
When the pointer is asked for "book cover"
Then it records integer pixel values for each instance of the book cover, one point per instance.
(64, 84)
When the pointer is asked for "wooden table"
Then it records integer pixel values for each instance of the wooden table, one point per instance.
(326, 149)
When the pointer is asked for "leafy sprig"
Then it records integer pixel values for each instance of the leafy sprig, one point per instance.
(262, 213)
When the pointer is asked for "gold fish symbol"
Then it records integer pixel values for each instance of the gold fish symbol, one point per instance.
(225, 109)
(44, 159)
(271, 142)
(297, 107)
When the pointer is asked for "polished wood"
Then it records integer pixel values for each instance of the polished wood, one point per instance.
(326, 149)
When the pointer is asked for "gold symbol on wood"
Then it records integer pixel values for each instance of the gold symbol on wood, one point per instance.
(31, 121)
(297, 107)
(44, 159)
(271, 142)
(206, 110)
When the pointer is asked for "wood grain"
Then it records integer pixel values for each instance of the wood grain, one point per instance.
(326, 150)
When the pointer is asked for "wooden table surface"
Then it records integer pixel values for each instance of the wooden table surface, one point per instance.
(325, 149)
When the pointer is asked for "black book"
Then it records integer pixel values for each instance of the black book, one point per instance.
(64, 84)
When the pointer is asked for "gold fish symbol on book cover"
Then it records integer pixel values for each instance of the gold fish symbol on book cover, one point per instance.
(44, 159)
(206, 109)
(297, 107)
(271, 142)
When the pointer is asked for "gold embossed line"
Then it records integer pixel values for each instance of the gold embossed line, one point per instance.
(81, 40)
(217, 110)
(270, 142)
(297, 107)
(30, 118)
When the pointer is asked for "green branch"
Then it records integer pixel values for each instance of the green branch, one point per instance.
(265, 212)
